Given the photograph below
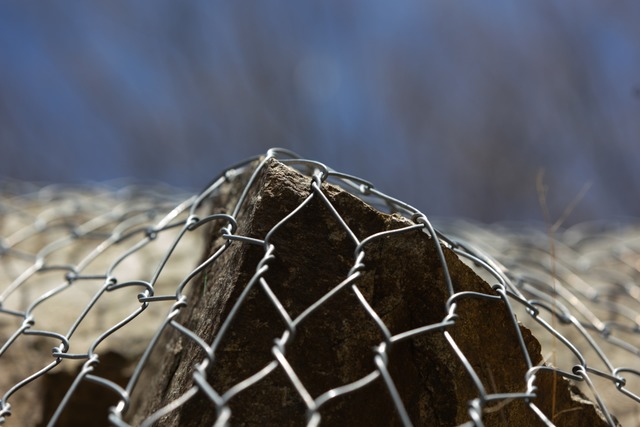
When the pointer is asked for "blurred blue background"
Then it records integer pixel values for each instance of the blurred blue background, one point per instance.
(452, 106)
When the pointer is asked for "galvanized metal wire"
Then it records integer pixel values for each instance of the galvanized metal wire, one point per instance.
(74, 254)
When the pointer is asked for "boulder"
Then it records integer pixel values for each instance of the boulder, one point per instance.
(339, 342)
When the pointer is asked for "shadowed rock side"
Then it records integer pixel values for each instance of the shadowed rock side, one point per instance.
(403, 282)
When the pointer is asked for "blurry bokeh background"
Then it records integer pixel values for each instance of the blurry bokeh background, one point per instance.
(454, 107)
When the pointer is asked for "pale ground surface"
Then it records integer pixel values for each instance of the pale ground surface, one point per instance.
(593, 273)
(41, 230)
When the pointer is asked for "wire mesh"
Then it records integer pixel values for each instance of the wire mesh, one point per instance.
(83, 267)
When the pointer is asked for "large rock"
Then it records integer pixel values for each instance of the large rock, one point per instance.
(402, 280)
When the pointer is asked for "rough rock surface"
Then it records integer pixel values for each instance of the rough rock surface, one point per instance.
(402, 281)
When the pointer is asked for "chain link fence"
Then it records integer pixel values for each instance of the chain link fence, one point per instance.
(92, 272)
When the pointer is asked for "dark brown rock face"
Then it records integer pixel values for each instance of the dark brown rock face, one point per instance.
(403, 282)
